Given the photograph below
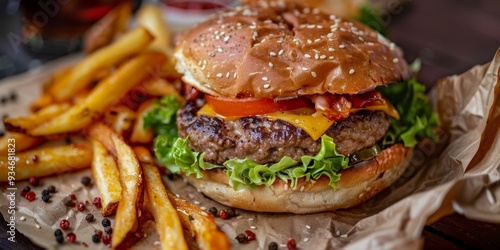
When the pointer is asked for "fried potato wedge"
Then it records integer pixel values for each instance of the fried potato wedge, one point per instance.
(107, 178)
(201, 224)
(23, 124)
(131, 180)
(139, 133)
(106, 92)
(107, 57)
(21, 143)
(167, 221)
(48, 159)
(144, 155)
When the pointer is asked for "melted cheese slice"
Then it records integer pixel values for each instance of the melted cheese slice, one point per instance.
(314, 123)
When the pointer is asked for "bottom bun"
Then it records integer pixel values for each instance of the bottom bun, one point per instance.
(356, 185)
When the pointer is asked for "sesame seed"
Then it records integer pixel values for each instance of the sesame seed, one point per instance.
(361, 39)
(219, 75)
(281, 52)
(331, 49)
(265, 78)
(351, 71)
(322, 57)
(289, 68)
(37, 226)
(319, 26)
(342, 46)
(157, 243)
(217, 37)
(311, 26)
(251, 218)
(211, 54)
(329, 35)
(395, 60)
(272, 53)
(392, 46)
(331, 57)
(316, 56)
(196, 202)
(308, 227)
(343, 236)
(309, 41)
(219, 49)
(307, 56)
(271, 64)
(203, 67)
(314, 75)
(317, 40)
(227, 75)
(226, 38)
(305, 69)
(253, 227)
(22, 218)
(305, 239)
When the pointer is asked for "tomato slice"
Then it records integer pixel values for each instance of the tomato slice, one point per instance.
(242, 107)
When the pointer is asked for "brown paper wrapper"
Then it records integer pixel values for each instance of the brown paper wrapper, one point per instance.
(458, 174)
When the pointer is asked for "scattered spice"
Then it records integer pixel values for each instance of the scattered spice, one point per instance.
(106, 239)
(89, 217)
(45, 192)
(51, 189)
(80, 206)
(85, 180)
(59, 238)
(30, 196)
(99, 233)
(250, 235)
(34, 181)
(85, 244)
(58, 232)
(45, 197)
(273, 246)
(64, 224)
(106, 222)
(22, 218)
(95, 238)
(34, 158)
(231, 212)
(97, 202)
(191, 218)
(25, 190)
(241, 238)
(223, 214)
(213, 211)
(108, 230)
(71, 237)
(291, 244)
(68, 202)
(72, 196)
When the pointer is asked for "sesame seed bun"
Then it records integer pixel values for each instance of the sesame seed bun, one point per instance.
(277, 50)
(356, 185)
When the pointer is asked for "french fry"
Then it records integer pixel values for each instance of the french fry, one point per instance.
(106, 177)
(121, 119)
(48, 160)
(167, 221)
(21, 143)
(150, 17)
(22, 124)
(201, 224)
(160, 87)
(139, 133)
(144, 155)
(83, 74)
(131, 180)
(106, 92)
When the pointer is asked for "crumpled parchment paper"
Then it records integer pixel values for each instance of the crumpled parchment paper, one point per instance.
(458, 174)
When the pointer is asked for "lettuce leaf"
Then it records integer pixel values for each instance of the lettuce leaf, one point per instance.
(417, 118)
(177, 157)
(162, 117)
(371, 17)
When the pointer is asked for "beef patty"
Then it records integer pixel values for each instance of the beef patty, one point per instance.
(267, 141)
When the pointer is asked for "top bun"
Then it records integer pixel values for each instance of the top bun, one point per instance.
(278, 50)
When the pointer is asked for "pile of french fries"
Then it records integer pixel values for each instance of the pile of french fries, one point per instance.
(90, 115)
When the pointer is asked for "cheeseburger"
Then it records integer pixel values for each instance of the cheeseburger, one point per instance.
(288, 111)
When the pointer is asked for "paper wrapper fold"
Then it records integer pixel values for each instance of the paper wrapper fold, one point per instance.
(458, 174)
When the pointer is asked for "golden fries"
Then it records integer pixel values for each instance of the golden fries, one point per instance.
(106, 177)
(22, 124)
(139, 133)
(206, 233)
(106, 92)
(151, 18)
(144, 155)
(121, 119)
(48, 160)
(131, 180)
(83, 74)
(167, 222)
(22, 142)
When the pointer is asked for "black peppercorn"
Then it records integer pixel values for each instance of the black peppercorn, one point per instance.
(89, 217)
(59, 238)
(58, 232)
(231, 212)
(68, 202)
(85, 180)
(241, 238)
(212, 210)
(51, 189)
(106, 222)
(95, 238)
(45, 192)
(45, 197)
(273, 246)
(108, 230)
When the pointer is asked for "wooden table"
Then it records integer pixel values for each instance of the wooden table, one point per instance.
(449, 36)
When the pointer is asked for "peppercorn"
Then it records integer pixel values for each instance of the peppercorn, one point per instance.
(58, 232)
(45, 192)
(291, 244)
(72, 196)
(51, 189)
(97, 202)
(99, 233)
(71, 237)
(80, 206)
(68, 202)
(25, 190)
(223, 214)
(108, 230)
(64, 224)
(241, 238)
(45, 197)
(273, 246)
(106, 239)
(250, 235)
(106, 222)
(34, 181)
(213, 211)
(95, 238)
(231, 212)
(30, 196)
(85, 180)
(59, 238)
(89, 217)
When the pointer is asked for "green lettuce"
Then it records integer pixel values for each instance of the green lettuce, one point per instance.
(178, 158)
(417, 120)
(162, 117)
(371, 17)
